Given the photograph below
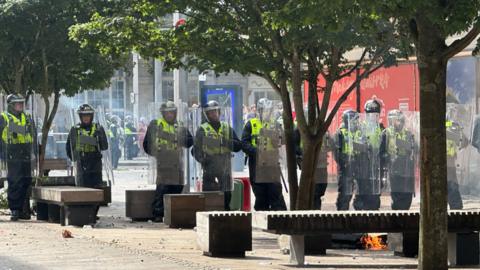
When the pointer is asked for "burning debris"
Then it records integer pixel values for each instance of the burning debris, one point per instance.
(374, 241)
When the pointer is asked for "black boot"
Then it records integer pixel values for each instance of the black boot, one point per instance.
(15, 214)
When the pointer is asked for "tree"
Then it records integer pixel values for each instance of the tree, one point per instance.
(429, 24)
(281, 41)
(39, 57)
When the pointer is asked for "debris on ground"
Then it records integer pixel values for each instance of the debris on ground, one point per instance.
(67, 234)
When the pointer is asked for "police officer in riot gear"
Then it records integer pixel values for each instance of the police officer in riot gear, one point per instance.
(368, 165)
(165, 140)
(345, 155)
(131, 141)
(84, 144)
(456, 140)
(214, 143)
(399, 148)
(115, 137)
(261, 141)
(18, 144)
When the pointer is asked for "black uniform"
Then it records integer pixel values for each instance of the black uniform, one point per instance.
(400, 150)
(17, 156)
(217, 166)
(149, 145)
(268, 196)
(88, 162)
(345, 170)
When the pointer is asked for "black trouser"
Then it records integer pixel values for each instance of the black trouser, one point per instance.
(320, 189)
(402, 190)
(157, 205)
(454, 197)
(345, 190)
(401, 200)
(19, 181)
(268, 196)
(89, 172)
(366, 197)
(224, 178)
(116, 153)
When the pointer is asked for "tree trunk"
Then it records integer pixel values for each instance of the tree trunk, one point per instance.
(47, 124)
(433, 251)
(307, 180)
(289, 145)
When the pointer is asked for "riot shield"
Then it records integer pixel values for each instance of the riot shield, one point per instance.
(368, 166)
(56, 162)
(167, 143)
(100, 118)
(19, 151)
(401, 151)
(213, 146)
(347, 147)
(321, 172)
(89, 151)
(268, 144)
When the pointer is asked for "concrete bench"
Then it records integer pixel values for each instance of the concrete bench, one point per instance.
(224, 234)
(67, 205)
(138, 204)
(462, 225)
(180, 209)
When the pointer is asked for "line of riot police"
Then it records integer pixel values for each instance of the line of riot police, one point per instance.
(369, 157)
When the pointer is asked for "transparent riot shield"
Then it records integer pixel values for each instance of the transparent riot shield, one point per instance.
(56, 162)
(368, 166)
(19, 153)
(400, 143)
(460, 154)
(89, 151)
(100, 118)
(213, 147)
(348, 146)
(168, 139)
(268, 144)
(321, 172)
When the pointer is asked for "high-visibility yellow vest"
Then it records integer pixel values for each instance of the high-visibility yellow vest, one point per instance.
(451, 145)
(374, 137)
(8, 136)
(223, 134)
(257, 126)
(392, 137)
(128, 131)
(85, 148)
(348, 139)
(164, 126)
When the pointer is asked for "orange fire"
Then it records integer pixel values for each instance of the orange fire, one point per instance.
(373, 242)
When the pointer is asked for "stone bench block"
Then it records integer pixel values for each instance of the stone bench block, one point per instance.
(138, 204)
(224, 234)
(181, 209)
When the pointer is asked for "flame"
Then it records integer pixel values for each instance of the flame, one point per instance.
(373, 242)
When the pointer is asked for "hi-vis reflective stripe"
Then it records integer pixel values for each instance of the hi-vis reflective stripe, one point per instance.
(7, 136)
(167, 128)
(85, 148)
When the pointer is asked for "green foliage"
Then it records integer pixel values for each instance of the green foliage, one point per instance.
(37, 54)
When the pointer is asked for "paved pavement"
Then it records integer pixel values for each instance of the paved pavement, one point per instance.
(117, 243)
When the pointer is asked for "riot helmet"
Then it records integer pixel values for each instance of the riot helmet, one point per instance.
(372, 106)
(350, 119)
(211, 110)
(85, 113)
(169, 111)
(264, 108)
(15, 102)
(396, 119)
